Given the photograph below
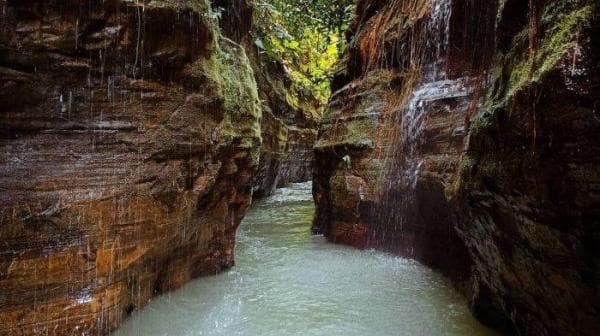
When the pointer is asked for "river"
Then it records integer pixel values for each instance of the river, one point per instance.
(287, 282)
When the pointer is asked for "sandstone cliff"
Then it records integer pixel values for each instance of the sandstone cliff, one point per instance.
(289, 119)
(129, 139)
(465, 134)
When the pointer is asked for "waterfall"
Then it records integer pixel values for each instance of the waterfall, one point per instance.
(437, 40)
(415, 114)
(435, 85)
(433, 94)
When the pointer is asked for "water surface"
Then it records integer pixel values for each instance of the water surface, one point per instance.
(287, 282)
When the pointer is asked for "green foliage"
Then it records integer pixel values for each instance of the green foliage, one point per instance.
(306, 36)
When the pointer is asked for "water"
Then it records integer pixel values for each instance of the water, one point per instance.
(421, 100)
(437, 39)
(433, 91)
(435, 86)
(288, 282)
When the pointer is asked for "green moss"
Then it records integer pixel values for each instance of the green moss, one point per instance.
(282, 135)
(356, 133)
(200, 6)
(230, 69)
(228, 72)
(486, 118)
(559, 37)
(558, 26)
(291, 99)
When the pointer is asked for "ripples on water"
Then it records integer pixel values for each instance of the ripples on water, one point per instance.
(287, 282)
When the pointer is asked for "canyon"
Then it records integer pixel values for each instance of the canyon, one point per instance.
(134, 136)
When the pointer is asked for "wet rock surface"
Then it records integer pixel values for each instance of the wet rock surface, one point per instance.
(290, 119)
(464, 135)
(289, 127)
(129, 139)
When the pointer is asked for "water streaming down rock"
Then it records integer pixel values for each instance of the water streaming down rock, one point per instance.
(435, 40)
(130, 140)
(384, 190)
(434, 92)
(121, 201)
(412, 119)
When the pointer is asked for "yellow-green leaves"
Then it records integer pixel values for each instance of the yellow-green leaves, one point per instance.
(305, 36)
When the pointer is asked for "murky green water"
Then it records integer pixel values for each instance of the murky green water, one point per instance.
(288, 282)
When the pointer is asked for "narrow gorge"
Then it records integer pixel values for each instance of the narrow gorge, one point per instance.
(451, 144)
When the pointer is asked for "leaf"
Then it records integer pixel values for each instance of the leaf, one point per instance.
(293, 45)
(267, 6)
(282, 33)
(259, 43)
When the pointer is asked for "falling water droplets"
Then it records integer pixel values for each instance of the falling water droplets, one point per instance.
(77, 34)
(436, 86)
(102, 63)
(63, 106)
(277, 279)
(437, 39)
(70, 105)
(4, 15)
(434, 92)
(109, 88)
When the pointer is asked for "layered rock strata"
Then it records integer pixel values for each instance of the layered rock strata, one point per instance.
(289, 126)
(129, 138)
(290, 119)
(465, 135)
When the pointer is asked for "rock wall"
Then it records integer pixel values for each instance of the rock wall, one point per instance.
(129, 139)
(290, 120)
(464, 134)
(289, 126)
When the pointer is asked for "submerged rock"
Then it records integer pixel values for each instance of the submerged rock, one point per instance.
(472, 134)
(129, 138)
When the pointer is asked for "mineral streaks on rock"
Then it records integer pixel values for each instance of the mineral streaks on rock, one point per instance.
(129, 138)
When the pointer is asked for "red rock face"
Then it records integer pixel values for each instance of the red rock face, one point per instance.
(126, 162)
(464, 135)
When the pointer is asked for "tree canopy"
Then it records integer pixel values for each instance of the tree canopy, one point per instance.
(306, 36)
